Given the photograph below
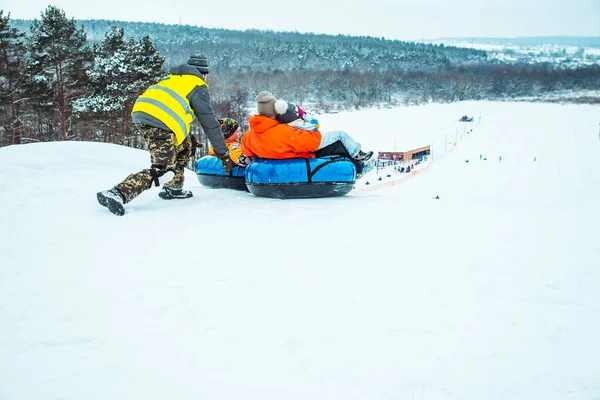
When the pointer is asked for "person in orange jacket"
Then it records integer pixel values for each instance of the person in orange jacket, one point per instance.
(270, 138)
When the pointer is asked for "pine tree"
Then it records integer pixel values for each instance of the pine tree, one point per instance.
(123, 69)
(58, 60)
(12, 71)
(149, 61)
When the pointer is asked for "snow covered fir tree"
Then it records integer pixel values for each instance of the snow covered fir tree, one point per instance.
(58, 56)
(12, 81)
(123, 68)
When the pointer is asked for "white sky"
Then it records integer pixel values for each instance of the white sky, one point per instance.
(392, 19)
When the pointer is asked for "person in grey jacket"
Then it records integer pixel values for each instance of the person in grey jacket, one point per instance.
(162, 115)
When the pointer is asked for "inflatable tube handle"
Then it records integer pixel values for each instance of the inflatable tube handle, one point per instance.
(312, 173)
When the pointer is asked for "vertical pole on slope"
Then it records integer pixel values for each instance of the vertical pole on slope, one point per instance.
(446, 142)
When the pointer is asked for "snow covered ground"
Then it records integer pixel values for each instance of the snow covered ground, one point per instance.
(490, 292)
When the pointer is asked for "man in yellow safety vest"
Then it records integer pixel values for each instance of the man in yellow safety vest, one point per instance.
(162, 115)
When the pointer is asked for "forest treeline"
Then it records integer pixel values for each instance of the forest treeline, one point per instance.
(62, 79)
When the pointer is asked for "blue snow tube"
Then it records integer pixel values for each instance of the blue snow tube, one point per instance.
(301, 177)
(209, 170)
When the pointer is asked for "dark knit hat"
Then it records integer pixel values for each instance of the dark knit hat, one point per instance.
(200, 62)
(228, 127)
(265, 103)
(287, 112)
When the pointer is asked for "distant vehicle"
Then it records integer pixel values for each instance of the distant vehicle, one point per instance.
(464, 118)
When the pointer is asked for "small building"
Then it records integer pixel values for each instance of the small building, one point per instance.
(405, 155)
(391, 155)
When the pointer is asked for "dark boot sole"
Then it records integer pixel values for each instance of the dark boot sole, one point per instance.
(101, 199)
(165, 196)
(113, 206)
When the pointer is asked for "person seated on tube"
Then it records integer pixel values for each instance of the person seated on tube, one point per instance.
(276, 133)
(232, 135)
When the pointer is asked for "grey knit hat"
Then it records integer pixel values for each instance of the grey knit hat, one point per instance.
(265, 103)
(200, 62)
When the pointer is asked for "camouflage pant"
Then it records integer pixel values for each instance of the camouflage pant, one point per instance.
(164, 155)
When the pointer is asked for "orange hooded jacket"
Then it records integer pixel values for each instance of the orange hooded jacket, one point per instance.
(267, 138)
(233, 146)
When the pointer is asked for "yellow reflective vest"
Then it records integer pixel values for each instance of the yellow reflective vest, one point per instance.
(167, 101)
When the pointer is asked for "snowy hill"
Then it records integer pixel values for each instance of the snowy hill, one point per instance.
(490, 292)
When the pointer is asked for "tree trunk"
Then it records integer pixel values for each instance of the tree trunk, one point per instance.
(60, 88)
(125, 125)
(17, 125)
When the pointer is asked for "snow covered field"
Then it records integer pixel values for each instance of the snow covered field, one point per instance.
(490, 292)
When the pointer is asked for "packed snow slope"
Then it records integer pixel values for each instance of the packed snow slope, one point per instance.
(491, 291)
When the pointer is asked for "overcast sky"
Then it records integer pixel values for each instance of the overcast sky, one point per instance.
(392, 19)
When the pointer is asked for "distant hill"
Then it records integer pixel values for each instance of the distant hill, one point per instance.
(336, 72)
(580, 41)
(269, 51)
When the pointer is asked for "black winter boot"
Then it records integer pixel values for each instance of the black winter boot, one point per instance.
(112, 200)
(362, 156)
(169, 193)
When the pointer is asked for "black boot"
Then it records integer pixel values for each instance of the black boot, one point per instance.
(169, 193)
(113, 200)
(363, 167)
(362, 156)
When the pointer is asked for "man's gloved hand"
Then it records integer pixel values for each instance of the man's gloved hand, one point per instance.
(244, 161)
(226, 160)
